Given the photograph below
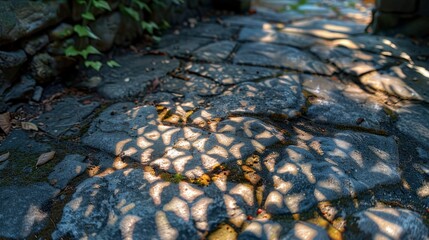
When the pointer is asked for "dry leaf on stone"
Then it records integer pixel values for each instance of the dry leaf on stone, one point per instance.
(5, 123)
(29, 126)
(4, 157)
(45, 157)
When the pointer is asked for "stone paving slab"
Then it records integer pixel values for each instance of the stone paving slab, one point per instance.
(280, 96)
(66, 117)
(271, 55)
(126, 130)
(271, 36)
(350, 61)
(347, 105)
(22, 209)
(181, 46)
(214, 52)
(413, 121)
(331, 168)
(134, 76)
(228, 74)
(407, 81)
(325, 29)
(248, 21)
(191, 83)
(211, 30)
(388, 46)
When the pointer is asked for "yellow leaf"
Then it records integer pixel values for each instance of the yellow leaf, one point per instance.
(45, 157)
(4, 157)
(5, 124)
(29, 126)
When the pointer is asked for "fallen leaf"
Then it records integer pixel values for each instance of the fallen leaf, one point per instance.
(4, 157)
(29, 126)
(5, 124)
(44, 158)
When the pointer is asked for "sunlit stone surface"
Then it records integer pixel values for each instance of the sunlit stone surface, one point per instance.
(271, 36)
(228, 74)
(126, 130)
(392, 223)
(331, 168)
(132, 203)
(271, 55)
(336, 103)
(353, 62)
(282, 96)
(22, 209)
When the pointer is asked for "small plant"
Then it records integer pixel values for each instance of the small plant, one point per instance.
(131, 8)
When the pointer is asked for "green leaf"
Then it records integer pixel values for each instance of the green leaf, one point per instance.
(156, 38)
(88, 16)
(149, 26)
(101, 4)
(71, 51)
(160, 3)
(132, 13)
(113, 63)
(81, 2)
(89, 50)
(84, 31)
(141, 5)
(96, 65)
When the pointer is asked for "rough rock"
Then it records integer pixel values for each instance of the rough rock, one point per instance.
(134, 76)
(126, 130)
(32, 46)
(61, 32)
(350, 61)
(413, 121)
(21, 18)
(191, 83)
(331, 168)
(277, 17)
(23, 209)
(119, 211)
(70, 167)
(407, 81)
(37, 95)
(215, 52)
(261, 229)
(65, 116)
(44, 68)
(392, 223)
(20, 89)
(228, 74)
(181, 46)
(271, 36)
(306, 231)
(10, 63)
(270, 55)
(335, 103)
(106, 28)
(279, 96)
(210, 30)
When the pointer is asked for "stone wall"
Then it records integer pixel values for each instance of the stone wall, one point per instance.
(34, 34)
(409, 17)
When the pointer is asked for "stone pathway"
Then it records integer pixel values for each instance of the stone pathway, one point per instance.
(293, 125)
